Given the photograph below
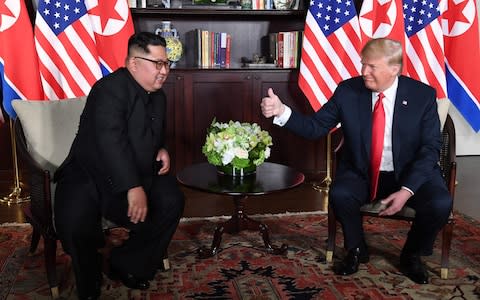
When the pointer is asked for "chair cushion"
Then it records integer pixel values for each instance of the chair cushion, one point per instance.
(49, 128)
(443, 105)
(377, 206)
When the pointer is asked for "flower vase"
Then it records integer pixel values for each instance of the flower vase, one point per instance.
(236, 172)
(282, 4)
(174, 45)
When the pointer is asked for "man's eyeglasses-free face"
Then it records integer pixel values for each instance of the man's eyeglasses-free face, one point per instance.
(159, 64)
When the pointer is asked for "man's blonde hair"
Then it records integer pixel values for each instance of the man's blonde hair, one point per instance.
(384, 47)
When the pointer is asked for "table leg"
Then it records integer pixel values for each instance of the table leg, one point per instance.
(238, 222)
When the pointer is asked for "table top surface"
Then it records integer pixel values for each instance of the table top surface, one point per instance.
(269, 177)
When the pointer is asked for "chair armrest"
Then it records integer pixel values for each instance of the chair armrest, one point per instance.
(40, 209)
(22, 149)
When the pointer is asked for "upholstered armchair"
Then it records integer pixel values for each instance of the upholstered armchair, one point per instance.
(448, 168)
(45, 131)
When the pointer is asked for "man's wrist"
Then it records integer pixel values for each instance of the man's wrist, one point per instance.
(407, 189)
(282, 119)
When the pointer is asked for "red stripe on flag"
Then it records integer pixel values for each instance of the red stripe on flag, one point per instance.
(428, 62)
(307, 90)
(336, 68)
(60, 64)
(45, 72)
(347, 61)
(19, 74)
(324, 58)
(318, 78)
(77, 57)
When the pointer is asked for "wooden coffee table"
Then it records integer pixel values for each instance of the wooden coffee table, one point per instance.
(269, 178)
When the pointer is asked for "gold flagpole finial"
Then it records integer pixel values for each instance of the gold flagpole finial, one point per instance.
(15, 196)
(324, 186)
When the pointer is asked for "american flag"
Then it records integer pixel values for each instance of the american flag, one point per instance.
(67, 33)
(330, 51)
(424, 43)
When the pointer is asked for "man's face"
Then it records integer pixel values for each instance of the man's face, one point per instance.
(150, 70)
(377, 74)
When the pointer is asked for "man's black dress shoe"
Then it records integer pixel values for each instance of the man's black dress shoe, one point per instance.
(129, 280)
(350, 263)
(412, 266)
(93, 292)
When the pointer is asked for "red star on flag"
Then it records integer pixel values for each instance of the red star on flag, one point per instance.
(105, 13)
(378, 15)
(5, 10)
(452, 15)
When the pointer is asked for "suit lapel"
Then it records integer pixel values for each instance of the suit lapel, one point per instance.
(365, 117)
(400, 114)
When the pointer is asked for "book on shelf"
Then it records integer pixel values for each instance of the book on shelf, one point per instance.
(260, 66)
(132, 3)
(223, 49)
(208, 49)
(285, 47)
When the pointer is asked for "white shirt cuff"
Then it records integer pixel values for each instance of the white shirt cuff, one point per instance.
(409, 190)
(282, 119)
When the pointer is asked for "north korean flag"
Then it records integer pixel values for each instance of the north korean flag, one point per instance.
(462, 56)
(113, 26)
(19, 74)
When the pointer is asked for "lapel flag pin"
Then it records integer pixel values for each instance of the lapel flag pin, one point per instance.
(404, 102)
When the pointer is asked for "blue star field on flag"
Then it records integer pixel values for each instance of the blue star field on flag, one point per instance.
(333, 14)
(59, 14)
(418, 14)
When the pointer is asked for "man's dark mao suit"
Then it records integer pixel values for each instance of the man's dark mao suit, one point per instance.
(416, 142)
(121, 130)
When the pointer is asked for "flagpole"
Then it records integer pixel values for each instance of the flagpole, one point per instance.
(15, 196)
(324, 186)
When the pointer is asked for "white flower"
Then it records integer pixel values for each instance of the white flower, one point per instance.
(227, 157)
(239, 144)
(267, 152)
(240, 153)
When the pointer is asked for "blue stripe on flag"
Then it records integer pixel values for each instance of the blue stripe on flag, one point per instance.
(462, 101)
(8, 94)
(104, 69)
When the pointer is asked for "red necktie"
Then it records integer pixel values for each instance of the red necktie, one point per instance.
(378, 131)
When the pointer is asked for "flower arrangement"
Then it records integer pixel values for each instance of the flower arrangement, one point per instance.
(235, 144)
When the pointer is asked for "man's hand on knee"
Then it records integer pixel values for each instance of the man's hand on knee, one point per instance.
(395, 202)
(137, 204)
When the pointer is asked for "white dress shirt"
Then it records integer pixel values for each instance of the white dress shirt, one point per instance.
(386, 164)
(390, 94)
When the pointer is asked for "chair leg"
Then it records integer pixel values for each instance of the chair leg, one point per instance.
(165, 262)
(50, 245)
(332, 232)
(446, 243)
(34, 241)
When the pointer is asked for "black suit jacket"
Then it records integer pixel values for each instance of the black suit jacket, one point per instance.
(416, 136)
(121, 130)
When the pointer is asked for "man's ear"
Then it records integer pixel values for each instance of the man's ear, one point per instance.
(398, 68)
(131, 63)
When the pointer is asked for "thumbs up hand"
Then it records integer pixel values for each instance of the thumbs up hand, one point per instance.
(271, 105)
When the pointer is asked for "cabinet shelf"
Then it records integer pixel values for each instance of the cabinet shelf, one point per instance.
(196, 95)
(209, 12)
(233, 68)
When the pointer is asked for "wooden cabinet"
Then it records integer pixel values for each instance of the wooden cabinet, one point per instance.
(249, 28)
(197, 95)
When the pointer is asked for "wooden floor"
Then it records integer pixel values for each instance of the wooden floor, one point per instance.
(303, 198)
(200, 204)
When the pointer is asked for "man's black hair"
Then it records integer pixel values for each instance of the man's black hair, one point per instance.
(144, 39)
